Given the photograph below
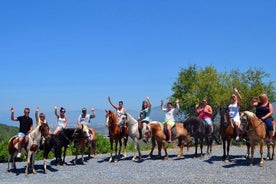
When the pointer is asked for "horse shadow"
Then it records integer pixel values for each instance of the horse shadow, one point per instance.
(234, 161)
(39, 169)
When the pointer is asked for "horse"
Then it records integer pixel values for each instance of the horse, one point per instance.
(199, 130)
(155, 131)
(30, 147)
(133, 132)
(115, 134)
(56, 142)
(256, 133)
(83, 140)
(227, 133)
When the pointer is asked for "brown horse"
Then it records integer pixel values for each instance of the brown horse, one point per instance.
(82, 140)
(272, 156)
(31, 146)
(199, 130)
(155, 131)
(256, 133)
(227, 132)
(115, 134)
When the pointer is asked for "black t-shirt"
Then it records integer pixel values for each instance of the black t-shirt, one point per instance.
(25, 124)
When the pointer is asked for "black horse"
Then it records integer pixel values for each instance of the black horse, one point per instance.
(59, 141)
(199, 130)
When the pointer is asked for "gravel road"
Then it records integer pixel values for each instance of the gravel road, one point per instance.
(151, 170)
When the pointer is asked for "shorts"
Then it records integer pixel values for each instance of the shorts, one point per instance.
(21, 134)
(208, 121)
(171, 123)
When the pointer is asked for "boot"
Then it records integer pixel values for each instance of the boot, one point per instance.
(140, 132)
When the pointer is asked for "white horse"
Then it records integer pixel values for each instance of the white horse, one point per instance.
(133, 132)
(31, 147)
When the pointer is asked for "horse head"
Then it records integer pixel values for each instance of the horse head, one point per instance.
(247, 119)
(224, 116)
(111, 118)
(44, 129)
(146, 132)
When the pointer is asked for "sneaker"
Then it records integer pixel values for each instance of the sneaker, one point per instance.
(270, 142)
(18, 155)
(169, 141)
(237, 138)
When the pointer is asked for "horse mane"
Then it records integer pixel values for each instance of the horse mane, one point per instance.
(251, 117)
(35, 132)
(132, 119)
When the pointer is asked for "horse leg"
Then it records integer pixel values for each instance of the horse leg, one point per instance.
(262, 152)
(252, 153)
(28, 163)
(116, 149)
(153, 144)
(125, 145)
(76, 156)
(33, 162)
(224, 150)
(159, 146)
(111, 150)
(268, 152)
(181, 146)
(201, 149)
(196, 144)
(94, 148)
(165, 150)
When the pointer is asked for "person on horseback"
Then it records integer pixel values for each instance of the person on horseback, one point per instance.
(205, 112)
(264, 111)
(120, 110)
(41, 119)
(144, 116)
(25, 127)
(62, 119)
(170, 112)
(233, 110)
(84, 119)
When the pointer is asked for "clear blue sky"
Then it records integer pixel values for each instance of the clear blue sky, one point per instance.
(76, 53)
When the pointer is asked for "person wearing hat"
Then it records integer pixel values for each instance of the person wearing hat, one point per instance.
(84, 119)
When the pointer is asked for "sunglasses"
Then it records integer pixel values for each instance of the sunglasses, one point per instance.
(26, 112)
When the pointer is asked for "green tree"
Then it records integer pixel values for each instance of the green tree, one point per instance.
(195, 84)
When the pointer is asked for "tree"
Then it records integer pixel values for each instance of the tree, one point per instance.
(195, 84)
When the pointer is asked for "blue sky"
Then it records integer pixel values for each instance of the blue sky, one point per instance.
(76, 53)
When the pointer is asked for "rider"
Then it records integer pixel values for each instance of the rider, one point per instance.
(25, 127)
(233, 110)
(41, 119)
(264, 111)
(143, 117)
(62, 119)
(120, 110)
(169, 116)
(84, 119)
(205, 112)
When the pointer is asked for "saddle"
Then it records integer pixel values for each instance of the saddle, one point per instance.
(173, 131)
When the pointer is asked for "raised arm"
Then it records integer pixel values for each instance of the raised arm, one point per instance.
(12, 115)
(177, 108)
(55, 110)
(36, 115)
(238, 95)
(148, 100)
(112, 104)
(93, 115)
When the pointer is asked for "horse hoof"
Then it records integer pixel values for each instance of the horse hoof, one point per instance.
(179, 156)
(226, 160)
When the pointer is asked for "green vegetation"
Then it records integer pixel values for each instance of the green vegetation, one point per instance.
(193, 84)
(7, 131)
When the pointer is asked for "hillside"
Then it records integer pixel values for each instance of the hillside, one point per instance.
(7, 131)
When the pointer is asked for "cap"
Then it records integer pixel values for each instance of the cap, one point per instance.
(83, 109)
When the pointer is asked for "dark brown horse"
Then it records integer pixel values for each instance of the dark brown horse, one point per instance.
(227, 132)
(155, 131)
(31, 146)
(115, 134)
(198, 129)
